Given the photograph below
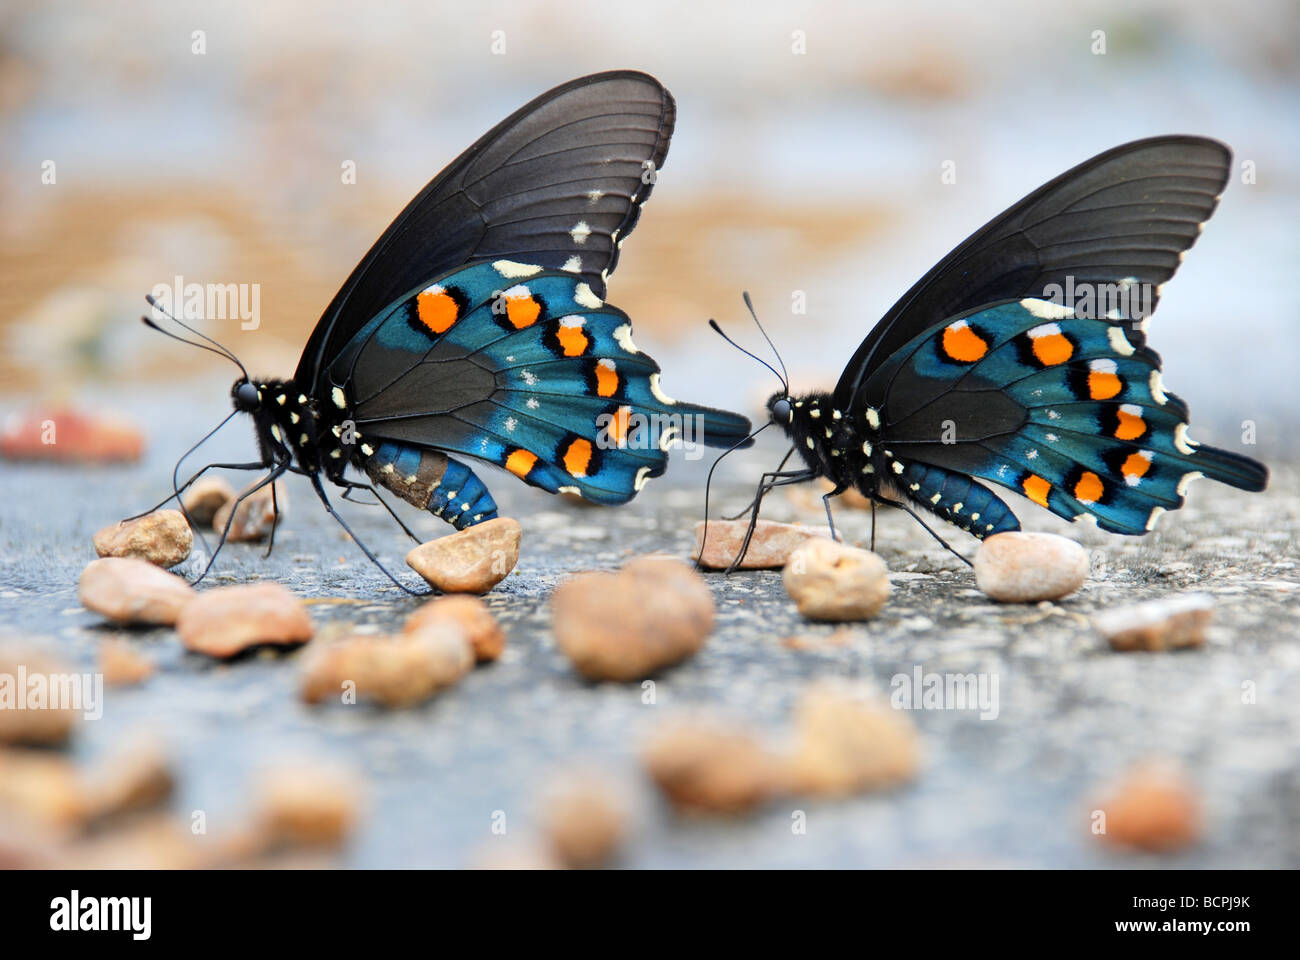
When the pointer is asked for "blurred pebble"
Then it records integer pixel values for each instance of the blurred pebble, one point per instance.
(473, 560)
(706, 767)
(505, 853)
(229, 620)
(255, 516)
(122, 666)
(585, 820)
(163, 538)
(40, 790)
(71, 437)
(769, 547)
(653, 613)
(1154, 808)
(205, 498)
(471, 614)
(134, 777)
(128, 590)
(849, 742)
(1018, 567)
(29, 713)
(307, 805)
(395, 671)
(1167, 623)
(831, 581)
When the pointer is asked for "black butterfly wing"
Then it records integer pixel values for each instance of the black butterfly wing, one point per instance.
(558, 184)
(1130, 212)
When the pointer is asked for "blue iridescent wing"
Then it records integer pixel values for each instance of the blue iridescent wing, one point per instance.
(524, 368)
(1067, 411)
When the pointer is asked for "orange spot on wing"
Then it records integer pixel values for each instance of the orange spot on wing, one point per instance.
(522, 311)
(573, 341)
(1052, 348)
(963, 344)
(1135, 466)
(437, 310)
(619, 424)
(577, 458)
(1089, 488)
(520, 462)
(1131, 425)
(606, 378)
(1103, 386)
(1036, 489)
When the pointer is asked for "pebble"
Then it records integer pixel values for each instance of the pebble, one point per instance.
(1018, 567)
(769, 548)
(229, 620)
(307, 805)
(395, 671)
(705, 767)
(831, 581)
(163, 538)
(132, 778)
(473, 617)
(1152, 808)
(473, 560)
(1167, 623)
(205, 498)
(624, 626)
(29, 714)
(122, 666)
(849, 742)
(40, 789)
(255, 516)
(584, 821)
(70, 436)
(129, 590)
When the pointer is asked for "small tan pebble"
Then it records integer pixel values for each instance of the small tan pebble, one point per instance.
(205, 498)
(848, 741)
(711, 768)
(132, 778)
(473, 560)
(395, 671)
(1153, 808)
(70, 436)
(34, 698)
(130, 590)
(156, 842)
(122, 665)
(812, 641)
(41, 789)
(769, 548)
(623, 626)
(255, 516)
(585, 820)
(471, 614)
(163, 538)
(229, 620)
(831, 581)
(1018, 567)
(1167, 623)
(308, 806)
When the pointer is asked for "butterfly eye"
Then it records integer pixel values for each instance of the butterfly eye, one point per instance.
(781, 410)
(246, 397)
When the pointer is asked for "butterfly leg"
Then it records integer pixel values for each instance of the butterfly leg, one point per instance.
(944, 543)
(350, 485)
(329, 508)
(779, 467)
(766, 484)
(826, 502)
(271, 477)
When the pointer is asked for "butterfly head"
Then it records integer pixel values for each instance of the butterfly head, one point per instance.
(245, 396)
(780, 409)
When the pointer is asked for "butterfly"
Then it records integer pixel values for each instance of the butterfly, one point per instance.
(1021, 360)
(476, 328)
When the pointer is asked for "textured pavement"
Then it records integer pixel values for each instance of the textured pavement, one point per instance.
(1010, 791)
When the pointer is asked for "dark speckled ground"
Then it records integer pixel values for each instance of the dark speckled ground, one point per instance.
(1007, 791)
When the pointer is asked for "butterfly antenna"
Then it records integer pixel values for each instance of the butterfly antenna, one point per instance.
(221, 349)
(718, 330)
(708, 483)
(785, 378)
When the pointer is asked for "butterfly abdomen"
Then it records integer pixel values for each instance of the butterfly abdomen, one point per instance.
(430, 480)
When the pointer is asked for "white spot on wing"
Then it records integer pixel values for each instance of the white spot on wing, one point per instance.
(623, 337)
(1118, 342)
(580, 232)
(513, 271)
(1046, 310)
(583, 296)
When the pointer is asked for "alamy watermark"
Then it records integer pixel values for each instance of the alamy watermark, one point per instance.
(209, 301)
(919, 690)
(53, 691)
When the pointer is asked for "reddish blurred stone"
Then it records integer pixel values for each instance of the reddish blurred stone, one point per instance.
(70, 436)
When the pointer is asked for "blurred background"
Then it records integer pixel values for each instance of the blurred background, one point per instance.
(809, 156)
